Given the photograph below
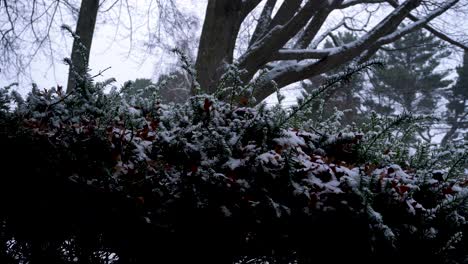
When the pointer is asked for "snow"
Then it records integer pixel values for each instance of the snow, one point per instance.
(233, 140)
(269, 157)
(141, 148)
(233, 163)
(226, 211)
(166, 137)
(300, 189)
(290, 93)
(301, 54)
(291, 139)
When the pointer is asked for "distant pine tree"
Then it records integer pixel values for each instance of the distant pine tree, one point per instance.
(457, 106)
(411, 81)
(172, 87)
(175, 87)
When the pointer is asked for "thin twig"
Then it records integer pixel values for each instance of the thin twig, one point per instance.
(101, 72)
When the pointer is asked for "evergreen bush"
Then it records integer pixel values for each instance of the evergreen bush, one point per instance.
(94, 177)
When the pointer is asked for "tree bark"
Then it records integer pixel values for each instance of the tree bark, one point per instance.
(82, 45)
(285, 13)
(263, 22)
(222, 23)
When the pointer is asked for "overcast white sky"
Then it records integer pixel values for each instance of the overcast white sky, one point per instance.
(105, 52)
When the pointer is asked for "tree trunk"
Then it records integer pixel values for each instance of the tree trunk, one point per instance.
(222, 23)
(82, 45)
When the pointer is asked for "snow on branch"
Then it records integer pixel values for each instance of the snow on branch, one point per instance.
(302, 54)
(350, 3)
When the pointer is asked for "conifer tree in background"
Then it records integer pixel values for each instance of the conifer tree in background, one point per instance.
(171, 87)
(174, 86)
(345, 97)
(457, 105)
(410, 81)
(139, 87)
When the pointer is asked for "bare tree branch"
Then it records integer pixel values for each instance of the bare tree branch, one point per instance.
(262, 51)
(264, 21)
(287, 10)
(284, 75)
(420, 23)
(433, 31)
(312, 29)
(327, 33)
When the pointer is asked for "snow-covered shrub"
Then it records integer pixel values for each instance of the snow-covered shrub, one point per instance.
(91, 174)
